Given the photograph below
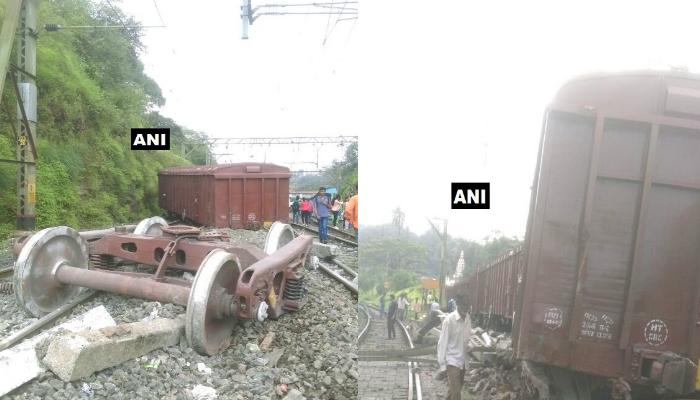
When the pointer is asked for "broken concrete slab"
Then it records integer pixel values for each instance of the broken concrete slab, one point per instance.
(19, 364)
(325, 251)
(78, 355)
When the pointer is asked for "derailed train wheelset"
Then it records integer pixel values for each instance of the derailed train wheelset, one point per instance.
(232, 281)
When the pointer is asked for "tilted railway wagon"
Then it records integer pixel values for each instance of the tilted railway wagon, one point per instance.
(610, 284)
(613, 245)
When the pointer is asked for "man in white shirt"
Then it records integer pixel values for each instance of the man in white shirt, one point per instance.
(453, 346)
(402, 303)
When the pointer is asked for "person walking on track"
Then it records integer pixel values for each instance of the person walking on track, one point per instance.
(335, 208)
(296, 210)
(322, 208)
(417, 308)
(402, 304)
(391, 317)
(453, 346)
(351, 213)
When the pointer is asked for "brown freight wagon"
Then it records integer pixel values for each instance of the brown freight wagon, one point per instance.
(226, 196)
(612, 277)
(492, 290)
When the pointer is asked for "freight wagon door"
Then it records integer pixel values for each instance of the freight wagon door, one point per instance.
(606, 241)
(552, 254)
(244, 201)
(253, 200)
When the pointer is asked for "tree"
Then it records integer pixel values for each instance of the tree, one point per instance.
(93, 90)
(386, 253)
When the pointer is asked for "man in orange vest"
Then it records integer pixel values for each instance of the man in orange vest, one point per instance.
(351, 213)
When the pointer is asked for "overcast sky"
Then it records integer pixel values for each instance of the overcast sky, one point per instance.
(438, 91)
(281, 82)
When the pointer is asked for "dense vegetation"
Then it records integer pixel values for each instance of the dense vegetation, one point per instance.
(92, 90)
(342, 174)
(392, 253)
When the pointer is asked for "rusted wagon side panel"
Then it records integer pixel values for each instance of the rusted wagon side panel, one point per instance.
(613, 255)
(231, 195)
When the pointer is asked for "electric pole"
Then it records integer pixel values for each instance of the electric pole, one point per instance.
(25, 85)
(443, 254)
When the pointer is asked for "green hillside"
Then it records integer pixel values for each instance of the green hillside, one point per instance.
(92, 90)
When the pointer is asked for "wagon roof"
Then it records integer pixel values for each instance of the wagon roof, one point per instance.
(633, 93)
(236, 169)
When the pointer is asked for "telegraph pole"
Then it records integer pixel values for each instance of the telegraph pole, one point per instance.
(24, 80)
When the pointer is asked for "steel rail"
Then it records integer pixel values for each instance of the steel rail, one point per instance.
(338, 278)
(331, 228)
(348, 235)
(346, 241)
(344, 267)
(46, 319)
(412, 366)
(365, 330)
(413, 376)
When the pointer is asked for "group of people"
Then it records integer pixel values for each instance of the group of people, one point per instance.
(322, 207)
(301, 210)
(455, 332)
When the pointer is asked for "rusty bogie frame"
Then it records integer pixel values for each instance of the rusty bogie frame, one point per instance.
(233, 281)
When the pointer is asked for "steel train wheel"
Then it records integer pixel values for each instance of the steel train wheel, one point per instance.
(36, 290)
(151, 226)
(208, 333)
(278, 235)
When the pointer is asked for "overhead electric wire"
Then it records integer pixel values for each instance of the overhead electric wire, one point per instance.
(55, 27)
(328, 34)
(155, 4)
(117, 12)
(302, 13)
(328, 23)
(307, 4)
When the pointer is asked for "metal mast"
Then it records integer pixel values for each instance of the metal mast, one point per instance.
(25, 83)
(443, 255)
(344, 9)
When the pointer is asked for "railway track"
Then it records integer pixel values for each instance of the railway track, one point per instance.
(340, 232)
(336, 237)
(340, 271)
(385, 379)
